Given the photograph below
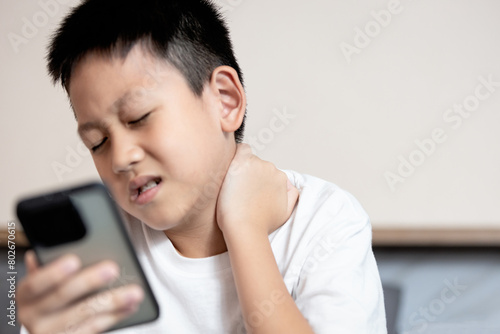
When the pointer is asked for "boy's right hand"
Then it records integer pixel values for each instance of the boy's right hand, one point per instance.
(49, 298)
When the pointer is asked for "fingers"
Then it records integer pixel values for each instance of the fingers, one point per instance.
(31, 262)
(122, 299)
(98, 313)
(52, 298)
(87, 281)
(95, 314)
(243, 148)
(44, 279)
(101, 322)
(241, 159)
(255, 189)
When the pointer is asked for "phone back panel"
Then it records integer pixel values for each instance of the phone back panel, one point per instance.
(88, 222)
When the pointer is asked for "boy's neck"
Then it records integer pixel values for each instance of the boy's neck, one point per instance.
(201, 237)
(200, 242)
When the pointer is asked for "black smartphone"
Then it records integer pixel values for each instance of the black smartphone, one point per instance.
(85, 221)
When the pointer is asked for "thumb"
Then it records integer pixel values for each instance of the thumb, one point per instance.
(31, 262)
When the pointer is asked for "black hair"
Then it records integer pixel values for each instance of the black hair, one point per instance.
(189, 34)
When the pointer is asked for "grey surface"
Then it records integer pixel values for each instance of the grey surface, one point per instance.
(427, 303)
(392, 296)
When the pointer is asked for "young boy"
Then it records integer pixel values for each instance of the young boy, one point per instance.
(229, 243)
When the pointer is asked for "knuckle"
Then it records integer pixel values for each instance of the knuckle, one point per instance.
(61, 293)
(97, 304)
(86, 281)
(27, 287)
(86, 311)
(89, 283)
(21, 292)
(105, 300)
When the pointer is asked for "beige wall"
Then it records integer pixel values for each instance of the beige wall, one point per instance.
(346, 116)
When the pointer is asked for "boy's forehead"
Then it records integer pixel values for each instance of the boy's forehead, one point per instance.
(135, 81)
(141, 56)
(138, 61)
(139, 67)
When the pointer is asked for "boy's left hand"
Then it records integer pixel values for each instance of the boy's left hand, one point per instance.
(255, 195)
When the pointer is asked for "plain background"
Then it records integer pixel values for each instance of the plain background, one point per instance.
(353, 117)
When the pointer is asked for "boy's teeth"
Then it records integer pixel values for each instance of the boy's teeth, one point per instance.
(147, 186)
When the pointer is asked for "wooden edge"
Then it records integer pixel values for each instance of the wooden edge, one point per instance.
(403, 237)
(382, 237)
(18, 239)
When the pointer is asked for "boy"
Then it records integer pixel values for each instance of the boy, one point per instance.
(225, 242)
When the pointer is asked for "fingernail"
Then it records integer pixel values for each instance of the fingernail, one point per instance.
(134, 295)
(109, 273)
(71, 264)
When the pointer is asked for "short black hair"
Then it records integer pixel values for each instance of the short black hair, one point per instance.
(189, 34)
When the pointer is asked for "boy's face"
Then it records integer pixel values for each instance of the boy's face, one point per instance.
(157, 146)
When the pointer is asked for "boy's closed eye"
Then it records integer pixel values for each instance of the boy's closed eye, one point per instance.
(138, 121)
(96, 147)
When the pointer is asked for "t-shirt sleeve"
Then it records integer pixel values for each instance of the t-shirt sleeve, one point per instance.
(339, 288)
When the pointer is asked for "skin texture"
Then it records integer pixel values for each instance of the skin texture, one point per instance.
(141, 122)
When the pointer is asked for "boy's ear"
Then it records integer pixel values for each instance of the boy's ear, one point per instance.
(228, 88)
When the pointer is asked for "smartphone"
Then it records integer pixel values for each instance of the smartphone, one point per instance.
(85, 221)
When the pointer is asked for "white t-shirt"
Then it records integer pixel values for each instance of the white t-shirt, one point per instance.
(323, 253)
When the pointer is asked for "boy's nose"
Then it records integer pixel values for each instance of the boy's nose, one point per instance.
(125, 155)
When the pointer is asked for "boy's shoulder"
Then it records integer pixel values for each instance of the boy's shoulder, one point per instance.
(320, 195)
(324, 208)
(324, 250)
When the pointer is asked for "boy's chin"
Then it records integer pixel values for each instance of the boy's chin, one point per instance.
(173, 218)
(161, 225)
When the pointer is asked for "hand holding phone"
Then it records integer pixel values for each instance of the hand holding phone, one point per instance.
(51, 298)
(90, 279)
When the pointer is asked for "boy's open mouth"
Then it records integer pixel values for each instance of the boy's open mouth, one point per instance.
(143, 185)
(149, 185)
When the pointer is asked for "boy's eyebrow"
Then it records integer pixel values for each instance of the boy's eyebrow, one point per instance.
(117, 105)
(121, 101)
(87, 127)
